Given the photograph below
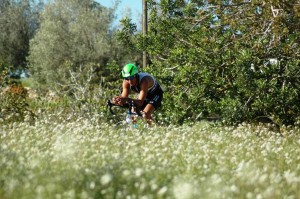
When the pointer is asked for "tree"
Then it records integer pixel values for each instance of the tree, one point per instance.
(238, 59)
(73, 33)
(18, 22)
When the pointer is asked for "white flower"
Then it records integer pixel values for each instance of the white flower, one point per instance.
(183, 190)
(92, 184)
(162, 191)
(139, 172)
(106, 178)
(126, 173)
(291, 177)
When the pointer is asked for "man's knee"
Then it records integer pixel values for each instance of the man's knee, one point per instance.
(146, 115)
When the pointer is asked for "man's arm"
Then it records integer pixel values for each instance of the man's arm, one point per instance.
(120, 100)
(142, 95)
(125, 90)
(123, 99)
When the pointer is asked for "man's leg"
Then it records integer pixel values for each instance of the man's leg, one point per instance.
(148, 110)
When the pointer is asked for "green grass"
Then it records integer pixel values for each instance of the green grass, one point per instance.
(85, 159)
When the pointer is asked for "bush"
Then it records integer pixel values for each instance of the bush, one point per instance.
(13, 99)
(14, 105)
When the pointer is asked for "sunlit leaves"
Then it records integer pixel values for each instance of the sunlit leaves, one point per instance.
(220, 50)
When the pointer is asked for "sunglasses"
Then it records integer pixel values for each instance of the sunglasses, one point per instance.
(130, 78)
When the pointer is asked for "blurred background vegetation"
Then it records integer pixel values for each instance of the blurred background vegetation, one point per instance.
(235, 61)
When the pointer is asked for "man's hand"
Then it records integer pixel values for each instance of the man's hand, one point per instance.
(118, 100)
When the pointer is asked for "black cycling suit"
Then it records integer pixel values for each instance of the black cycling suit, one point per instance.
(154, 94)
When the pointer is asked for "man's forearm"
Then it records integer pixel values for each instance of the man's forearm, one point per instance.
(135, 101)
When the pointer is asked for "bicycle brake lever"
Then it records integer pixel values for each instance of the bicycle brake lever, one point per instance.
(110, 106)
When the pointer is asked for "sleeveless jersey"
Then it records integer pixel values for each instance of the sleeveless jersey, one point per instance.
(151, 90)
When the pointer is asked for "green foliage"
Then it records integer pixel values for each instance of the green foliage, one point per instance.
(13, 99)
(231, 59)
(14, 105)
(4, 74)
(18, 22)
(73, 34)
(125, 36)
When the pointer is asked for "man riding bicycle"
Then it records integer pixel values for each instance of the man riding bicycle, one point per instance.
(150, 92)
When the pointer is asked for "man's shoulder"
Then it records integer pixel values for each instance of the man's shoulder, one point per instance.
(146, 78)
(126, 84)
(143, 75)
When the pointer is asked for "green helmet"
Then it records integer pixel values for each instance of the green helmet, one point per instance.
(129, 70)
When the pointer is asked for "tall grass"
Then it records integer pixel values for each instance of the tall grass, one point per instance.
(87, 159)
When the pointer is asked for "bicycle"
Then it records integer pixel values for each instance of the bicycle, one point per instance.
(133, 116)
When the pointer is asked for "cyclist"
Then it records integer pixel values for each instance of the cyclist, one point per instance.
(150, 92)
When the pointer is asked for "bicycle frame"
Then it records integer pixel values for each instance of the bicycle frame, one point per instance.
(132, 114)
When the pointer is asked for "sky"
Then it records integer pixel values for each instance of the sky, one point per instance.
(134, 5)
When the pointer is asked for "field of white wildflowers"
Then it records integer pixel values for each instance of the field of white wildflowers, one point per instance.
(83, 159)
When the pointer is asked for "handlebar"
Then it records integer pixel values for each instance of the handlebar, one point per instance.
(128, 105)
(110, 105)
